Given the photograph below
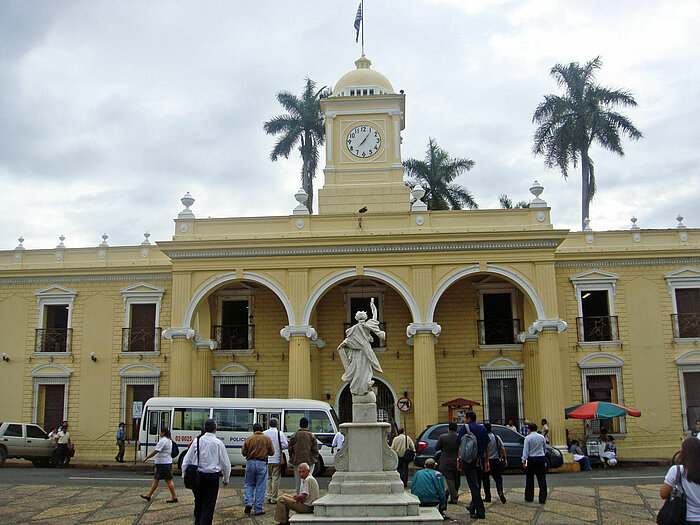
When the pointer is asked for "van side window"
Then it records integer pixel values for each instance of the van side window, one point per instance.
(319, 422)
(190, 418)
(234, 419)
(35, 432)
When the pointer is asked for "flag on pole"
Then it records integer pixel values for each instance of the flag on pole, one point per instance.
(358, 21)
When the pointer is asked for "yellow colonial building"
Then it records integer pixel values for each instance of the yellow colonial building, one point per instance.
(495, 306)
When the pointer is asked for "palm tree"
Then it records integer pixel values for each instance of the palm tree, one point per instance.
(507, 203)
(570, 124)
(303, 124)
(437, 172)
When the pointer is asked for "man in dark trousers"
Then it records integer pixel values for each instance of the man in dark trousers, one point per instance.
(535, 464)
(303, 448)
(474, 471)
(448, 445)
(121, 439)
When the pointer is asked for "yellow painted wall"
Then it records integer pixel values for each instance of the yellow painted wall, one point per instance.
(14, 311)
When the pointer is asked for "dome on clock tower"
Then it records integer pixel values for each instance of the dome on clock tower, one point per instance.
(362, 81)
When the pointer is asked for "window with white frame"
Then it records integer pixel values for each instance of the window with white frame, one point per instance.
(684, 287)
(139, 383)
(233, 380)
(596, 323)
(497, 310)
(503, 390)
(358, 295)
(141, 332)
(234, 329)
(602, 381)
(689, 376)
(54, 333)
(50, 402)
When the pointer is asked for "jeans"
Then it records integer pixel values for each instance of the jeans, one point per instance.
(255, 483)
(474, 473)
(536, 466)
(585, 463)
(496, 472)
(205, 498)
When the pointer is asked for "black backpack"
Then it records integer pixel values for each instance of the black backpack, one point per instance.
(174, 452)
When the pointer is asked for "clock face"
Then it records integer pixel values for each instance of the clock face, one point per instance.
(363, 141)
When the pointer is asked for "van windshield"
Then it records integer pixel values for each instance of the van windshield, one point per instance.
(319, 421)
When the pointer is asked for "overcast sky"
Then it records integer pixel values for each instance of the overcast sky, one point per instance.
(111, 110)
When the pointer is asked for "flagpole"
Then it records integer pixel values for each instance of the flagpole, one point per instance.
(363, 27)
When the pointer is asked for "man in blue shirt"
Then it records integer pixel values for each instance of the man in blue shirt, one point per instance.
(474, 472)
(535, 464)
(121, 439)
(429, 487)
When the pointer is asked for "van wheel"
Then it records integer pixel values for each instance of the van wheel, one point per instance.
(3, 456)
(319, 468)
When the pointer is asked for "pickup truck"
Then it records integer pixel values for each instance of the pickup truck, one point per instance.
(25, 440)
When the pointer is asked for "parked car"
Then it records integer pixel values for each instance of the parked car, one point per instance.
(25, 440)
(512, 442)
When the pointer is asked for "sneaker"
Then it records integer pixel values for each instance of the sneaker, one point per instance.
(502, 496)
(247, 509)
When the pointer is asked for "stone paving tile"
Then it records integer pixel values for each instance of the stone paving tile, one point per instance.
(67, 519)
(611, 518)
(516, 511)
(550, 518)
(107, 513)
(638, 511)
(584, 491)
(123, 520)
(574, 499)
(619, 488)
(615, 495)
(65, 510)
(166, 515)
(17, 517)
(573, 511)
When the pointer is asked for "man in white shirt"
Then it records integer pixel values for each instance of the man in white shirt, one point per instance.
(274, 462)
(338, 442)
(535, 464)
(213, 462)
(301, 502)
(63, 445)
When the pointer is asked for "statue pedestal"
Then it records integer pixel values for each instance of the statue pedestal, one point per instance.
(366, 488)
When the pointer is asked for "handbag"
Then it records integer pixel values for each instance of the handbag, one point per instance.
(673, 511)
(409, 455)
(283, 456)
(192, 479)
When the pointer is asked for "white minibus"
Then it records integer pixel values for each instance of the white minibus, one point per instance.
(234, 417)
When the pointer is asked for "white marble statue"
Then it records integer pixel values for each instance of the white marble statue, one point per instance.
(356, 352)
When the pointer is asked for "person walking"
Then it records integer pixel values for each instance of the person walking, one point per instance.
(406, 450)
(686, 475)
(301, 502)
(535, 464)
(474, 472)
(448, 445)
(256, 450)
(164, 466)
(277, 462)
(498, 461)
(338, 442)
(545, 430)
(213, 462)
(303, 448)
(121, 440)
(63, 445)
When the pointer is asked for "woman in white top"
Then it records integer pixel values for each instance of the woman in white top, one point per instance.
(164, 466)
(545, 430)
(689, 481)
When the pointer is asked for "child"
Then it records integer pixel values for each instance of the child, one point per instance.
(610, 453)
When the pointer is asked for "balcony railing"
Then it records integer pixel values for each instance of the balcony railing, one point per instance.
(686, 325)
(597, 328)
(53, 339)
(376, 342)
(498, 331)
(141, 339)
(234, 336)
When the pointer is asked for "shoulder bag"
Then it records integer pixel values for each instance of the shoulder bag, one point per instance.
(283, 456)
(501, 459)
(409, 455)
(673, 511)
(192, 480)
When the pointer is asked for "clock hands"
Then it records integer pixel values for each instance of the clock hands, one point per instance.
(363, 140)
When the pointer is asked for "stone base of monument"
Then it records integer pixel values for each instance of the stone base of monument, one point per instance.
(366, 488)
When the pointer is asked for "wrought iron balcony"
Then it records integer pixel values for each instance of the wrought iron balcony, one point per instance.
(686, 325)
(597, 328)
(376, 342)
(53, 339)
(498, 331)
(234, 336)
(141, 339)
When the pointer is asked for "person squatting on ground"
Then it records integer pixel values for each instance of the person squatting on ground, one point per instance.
(164, 466)
(256, 449)
(121, 440)
(688, 480)
(301, 502)
(579, 457)
(402, 444)
(448, 445)
(535, 464)
(429, 487)
(303, 448)
(275, 465)
(474, 471)
(213, 462)
(498, 461)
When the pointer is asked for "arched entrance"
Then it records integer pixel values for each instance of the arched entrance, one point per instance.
(386, 404)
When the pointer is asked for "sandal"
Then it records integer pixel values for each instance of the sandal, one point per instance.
(147, 498)
(174, 500)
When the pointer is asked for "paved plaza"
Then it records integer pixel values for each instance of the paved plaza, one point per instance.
(65, 505)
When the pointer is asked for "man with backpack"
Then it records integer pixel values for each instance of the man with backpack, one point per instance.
(474, 461)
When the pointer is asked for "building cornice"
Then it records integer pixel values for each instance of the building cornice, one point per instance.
(656, 261)
(86, 278)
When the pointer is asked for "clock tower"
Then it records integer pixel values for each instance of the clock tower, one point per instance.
(364, 119)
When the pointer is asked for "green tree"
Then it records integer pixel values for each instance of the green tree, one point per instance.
(303, 125)
(436, 174)
(507, 203)
(571, 123)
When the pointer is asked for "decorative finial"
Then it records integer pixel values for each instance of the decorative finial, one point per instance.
(61, 245)
(536, 189)
(418, 192)
(186, 201)
(301, 196)
(145, 240)
(680, 226)
(587, 225)
(20, 246)
(634, 223)
(104, 244)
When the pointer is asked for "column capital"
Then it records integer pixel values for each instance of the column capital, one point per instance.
(526, 337)
(542, 325)
(188, 333)
(290, 331)
(423, 328)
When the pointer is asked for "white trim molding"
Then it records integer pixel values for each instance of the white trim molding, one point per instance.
(423, 328)
(50, 374)
(687, 362)
(299, 331)
(141, 293)
(509, 370)
(542, 325)
(232, 374)
(611, 365)
(53, 295)
(178, 333)
(687, 277)
(134, 374)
